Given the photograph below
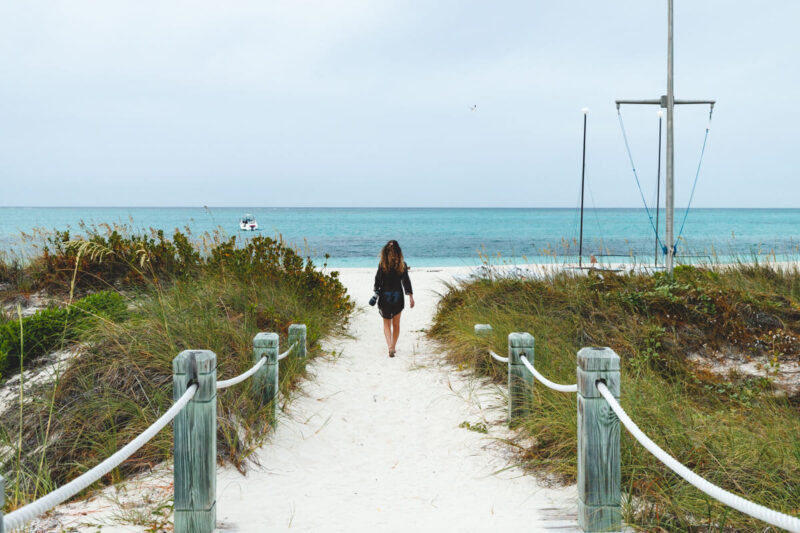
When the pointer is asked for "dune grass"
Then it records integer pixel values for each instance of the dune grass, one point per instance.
(737, 431)
(122, 379)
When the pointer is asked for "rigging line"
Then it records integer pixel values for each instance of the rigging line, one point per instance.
(576, 218)
(594, 211)
(697, 175)
(636, 175)
(573, 236)
(694, 185)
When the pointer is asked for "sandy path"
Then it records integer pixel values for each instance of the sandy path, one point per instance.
(373, 444)
(368, 444)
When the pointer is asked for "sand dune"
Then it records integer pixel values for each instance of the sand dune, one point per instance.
(374, 444)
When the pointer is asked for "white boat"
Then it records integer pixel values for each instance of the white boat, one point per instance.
(248, 223)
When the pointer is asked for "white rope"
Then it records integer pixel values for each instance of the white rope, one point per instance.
(499, 358)
(545, 381)
(241, 377)
(24, 514)
(755, 510)
(287, 352)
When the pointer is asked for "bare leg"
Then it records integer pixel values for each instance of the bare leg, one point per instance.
(387, 331)
(395, 331)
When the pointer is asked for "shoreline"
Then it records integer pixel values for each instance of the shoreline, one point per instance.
(552, 268)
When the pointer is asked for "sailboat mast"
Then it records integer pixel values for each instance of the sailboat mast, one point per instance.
(670, 181)
(666, 101)
(583, 182)
(658, 186)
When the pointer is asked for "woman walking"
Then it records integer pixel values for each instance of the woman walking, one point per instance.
(391, 281)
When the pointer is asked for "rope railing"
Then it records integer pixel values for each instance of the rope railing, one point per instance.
(195, 382)
(546, 382)
(225, 383)
(498, 357)
(599, 462)
(287, 352)
(747, 507)
(23, 515)
(484, 329)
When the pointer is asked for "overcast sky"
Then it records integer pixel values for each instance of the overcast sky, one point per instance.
(368, 103)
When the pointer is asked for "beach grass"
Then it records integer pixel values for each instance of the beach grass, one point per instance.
(176, 297)
(738, 431)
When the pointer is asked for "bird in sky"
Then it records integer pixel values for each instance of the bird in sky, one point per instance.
(473, 108)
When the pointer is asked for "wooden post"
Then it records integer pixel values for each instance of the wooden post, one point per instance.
(195, 431)
(598, 442)
(297, 333)
(265, 381)
(2, 502)
(520, 380)
(483, 330)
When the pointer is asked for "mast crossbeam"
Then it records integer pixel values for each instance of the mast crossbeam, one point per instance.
(663, 102)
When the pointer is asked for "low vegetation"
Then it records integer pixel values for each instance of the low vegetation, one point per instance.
(739, 431)
(159, 296)
(49, 329)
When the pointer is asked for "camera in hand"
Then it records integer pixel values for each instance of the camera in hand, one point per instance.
(374, 299)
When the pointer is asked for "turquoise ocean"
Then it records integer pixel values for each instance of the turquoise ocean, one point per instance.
(446, 237)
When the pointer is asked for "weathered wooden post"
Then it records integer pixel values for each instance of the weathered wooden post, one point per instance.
(2, 502)
(520, 380)
(297, 333)
(598, 442)
(483, 330)
(265, 381)
(195, 433)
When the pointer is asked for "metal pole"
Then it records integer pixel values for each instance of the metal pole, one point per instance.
(658, 184)
(583, 182)
(670, 186)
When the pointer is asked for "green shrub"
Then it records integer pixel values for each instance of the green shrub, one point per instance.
(41, 333)
(113, 260)
(97, 262)
(104, 304)
(52, 328)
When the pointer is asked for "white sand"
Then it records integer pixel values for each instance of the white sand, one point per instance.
(374, 444)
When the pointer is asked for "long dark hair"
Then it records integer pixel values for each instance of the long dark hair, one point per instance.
(392, 258)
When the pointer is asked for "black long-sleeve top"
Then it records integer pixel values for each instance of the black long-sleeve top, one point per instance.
(393, 281)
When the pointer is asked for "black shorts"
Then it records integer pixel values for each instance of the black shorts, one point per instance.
(391, 303)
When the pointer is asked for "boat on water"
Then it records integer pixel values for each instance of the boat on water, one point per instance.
(248, 223)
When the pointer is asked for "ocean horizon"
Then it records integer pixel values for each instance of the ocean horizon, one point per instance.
(443, 236)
